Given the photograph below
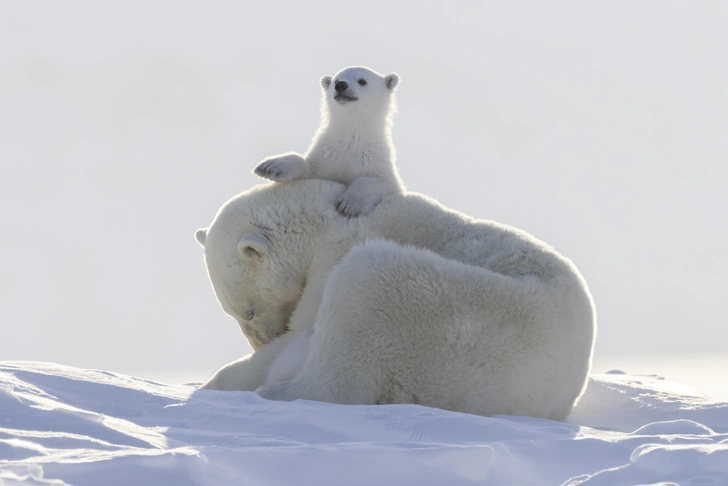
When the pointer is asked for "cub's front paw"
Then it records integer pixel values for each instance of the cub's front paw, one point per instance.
(353, 204)
(281, 168)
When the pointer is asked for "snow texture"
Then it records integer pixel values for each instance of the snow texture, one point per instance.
(61, 425)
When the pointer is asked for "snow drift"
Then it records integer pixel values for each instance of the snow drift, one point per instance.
(62, 425)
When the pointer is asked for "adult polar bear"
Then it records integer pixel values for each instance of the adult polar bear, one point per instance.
(414, 303)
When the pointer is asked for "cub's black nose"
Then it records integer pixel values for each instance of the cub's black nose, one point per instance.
(340, 86)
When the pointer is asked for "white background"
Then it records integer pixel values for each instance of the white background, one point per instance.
(599, 128)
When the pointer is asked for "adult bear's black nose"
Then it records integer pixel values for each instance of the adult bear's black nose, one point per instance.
(340, 86)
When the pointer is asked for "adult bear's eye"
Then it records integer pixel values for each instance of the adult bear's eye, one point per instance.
(362, 82)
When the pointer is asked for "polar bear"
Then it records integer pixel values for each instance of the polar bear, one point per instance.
(416, 303)
(353, 144)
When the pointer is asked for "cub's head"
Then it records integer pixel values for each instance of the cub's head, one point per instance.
(359, 91)
(258, 251)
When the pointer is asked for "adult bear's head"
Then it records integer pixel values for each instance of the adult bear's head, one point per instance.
(259, 248)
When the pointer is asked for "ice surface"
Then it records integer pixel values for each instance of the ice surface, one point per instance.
(62, 425)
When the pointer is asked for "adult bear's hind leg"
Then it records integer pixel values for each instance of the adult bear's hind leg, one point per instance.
(392, 327)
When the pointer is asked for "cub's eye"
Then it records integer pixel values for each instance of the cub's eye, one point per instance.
(362, 82)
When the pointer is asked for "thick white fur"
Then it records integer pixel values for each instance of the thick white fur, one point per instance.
(353, 144)
(415, 303)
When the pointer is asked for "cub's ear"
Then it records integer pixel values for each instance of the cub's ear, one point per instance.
(326, 82)
(391, 80)
(252, 245)
(201, 236)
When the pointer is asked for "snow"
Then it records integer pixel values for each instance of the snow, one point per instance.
(62, 425)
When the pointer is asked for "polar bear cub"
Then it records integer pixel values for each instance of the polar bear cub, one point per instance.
(353, 145)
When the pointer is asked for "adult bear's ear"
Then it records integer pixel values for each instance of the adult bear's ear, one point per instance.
(252, 245)
(326, 82)
(391, 80)
(201, 236)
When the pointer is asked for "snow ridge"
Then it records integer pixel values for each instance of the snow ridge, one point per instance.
(61, 425)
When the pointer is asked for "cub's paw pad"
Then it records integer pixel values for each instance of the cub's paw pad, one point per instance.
(279, 169)
(353, 206)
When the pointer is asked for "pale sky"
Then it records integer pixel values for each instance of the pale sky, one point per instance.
(601, 129)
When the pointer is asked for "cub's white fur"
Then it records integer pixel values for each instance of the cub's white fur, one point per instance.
(416, 303)
(353, 145)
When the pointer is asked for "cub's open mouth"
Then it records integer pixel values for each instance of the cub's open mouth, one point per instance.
(342, 98)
